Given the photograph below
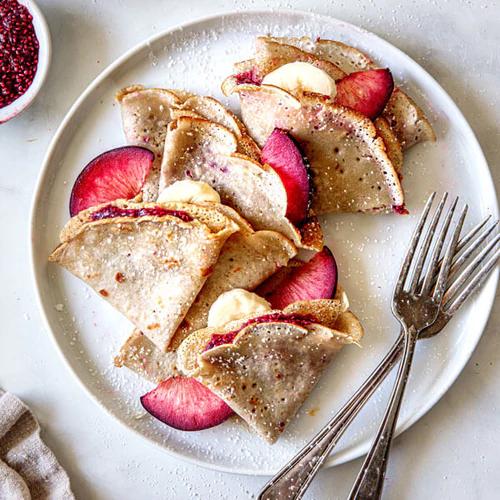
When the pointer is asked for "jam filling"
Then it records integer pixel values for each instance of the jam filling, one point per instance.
(18, 51)
(111, 211)
(218, 339)
(249, 76)
(400, 210)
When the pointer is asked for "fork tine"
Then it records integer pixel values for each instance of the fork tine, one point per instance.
(474, 284)
(433, 265)
(455, 267)
(450, 252)
(467, 272)
(426, 244)
(413, 245)
(458, 260)
(465, 240)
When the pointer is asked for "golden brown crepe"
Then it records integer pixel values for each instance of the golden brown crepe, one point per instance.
(257, 374)
(148, 267)
(146, 113)
(207, 151)
(356, 163)
(210, 109)
(351, 170)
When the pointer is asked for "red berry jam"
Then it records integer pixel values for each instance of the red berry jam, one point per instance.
(400, 210)
(18, 51)
(251, 76)
(110, 212)
(227, 338)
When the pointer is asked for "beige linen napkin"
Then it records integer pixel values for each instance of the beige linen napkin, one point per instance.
(28, 469)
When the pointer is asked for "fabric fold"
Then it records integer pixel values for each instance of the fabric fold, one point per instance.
(28, 468)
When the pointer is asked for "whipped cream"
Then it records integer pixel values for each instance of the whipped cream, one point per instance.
(298, 77)
(189, 191)
(236, 304)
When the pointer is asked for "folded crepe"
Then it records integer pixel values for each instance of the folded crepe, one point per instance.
(146, 113)
(210, 109)
(145, 116)
(351, 169)
(255, 370)
(207, 151)
(404, 116)
(355, 162)
(246, 260)
(149, 260)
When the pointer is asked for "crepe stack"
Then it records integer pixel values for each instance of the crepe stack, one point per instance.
(356, 162)
(196, 137)
(147, 112)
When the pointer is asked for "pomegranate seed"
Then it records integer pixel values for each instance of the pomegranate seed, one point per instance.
(18, 51)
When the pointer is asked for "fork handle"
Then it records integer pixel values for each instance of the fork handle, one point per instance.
(291, 482)
(370, 480)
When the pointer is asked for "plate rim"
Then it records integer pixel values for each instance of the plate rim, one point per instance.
(360, 449)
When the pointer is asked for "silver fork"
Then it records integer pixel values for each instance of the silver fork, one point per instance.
(292, 481)
(416, 306)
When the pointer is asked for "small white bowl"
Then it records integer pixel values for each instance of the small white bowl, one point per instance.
(44, 53)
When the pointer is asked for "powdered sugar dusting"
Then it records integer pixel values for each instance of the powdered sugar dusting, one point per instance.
(368, 250)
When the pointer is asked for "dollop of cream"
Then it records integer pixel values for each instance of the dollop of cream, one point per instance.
(236, 304)
(298, 77)
(189, 191)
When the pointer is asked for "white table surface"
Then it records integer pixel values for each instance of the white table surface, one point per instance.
(453, 452)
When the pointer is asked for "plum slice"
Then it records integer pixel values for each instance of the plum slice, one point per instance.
(281, 152)
(366, 91)
(116, 174)
(315, 279)
(185, 404)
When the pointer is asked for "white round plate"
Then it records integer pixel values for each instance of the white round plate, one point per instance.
(88, 332)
